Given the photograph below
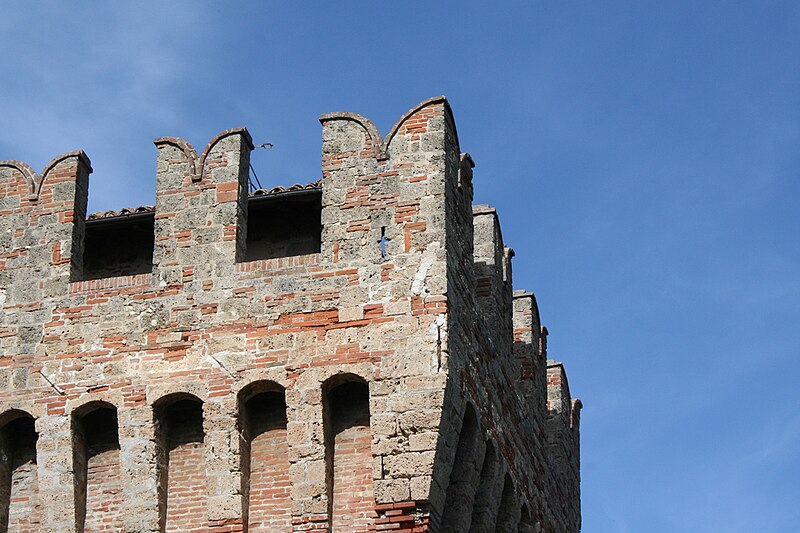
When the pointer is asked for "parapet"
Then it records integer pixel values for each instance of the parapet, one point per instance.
(234, 359)
(563, 431)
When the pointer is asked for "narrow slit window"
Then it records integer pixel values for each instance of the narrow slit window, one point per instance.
(19, 485)
(383, 241)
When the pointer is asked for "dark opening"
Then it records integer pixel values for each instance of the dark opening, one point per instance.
(100, 431)
(183, 421)
(22, 434)
(348, 404)
(284, 224)
(118, 246)
(383, 241)
(265, 411)
(18, 475)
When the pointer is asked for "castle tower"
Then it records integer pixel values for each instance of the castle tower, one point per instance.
(348, 355)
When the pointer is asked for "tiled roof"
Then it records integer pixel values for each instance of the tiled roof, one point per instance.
(280, 189)
(127, 211)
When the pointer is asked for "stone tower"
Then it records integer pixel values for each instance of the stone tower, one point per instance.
(343, 356)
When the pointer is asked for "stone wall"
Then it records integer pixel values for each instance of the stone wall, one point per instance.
(391, 381)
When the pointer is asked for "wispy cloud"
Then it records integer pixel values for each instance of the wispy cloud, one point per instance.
(104, 85)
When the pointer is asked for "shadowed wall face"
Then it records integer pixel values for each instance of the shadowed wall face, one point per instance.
(508, 512)
(269, 489)
(20, 486)
(464, 476)
(350, 458)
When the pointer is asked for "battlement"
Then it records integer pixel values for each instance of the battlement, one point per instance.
(282, 222)
(343, 355)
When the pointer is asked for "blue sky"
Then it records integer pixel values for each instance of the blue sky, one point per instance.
(644, 158)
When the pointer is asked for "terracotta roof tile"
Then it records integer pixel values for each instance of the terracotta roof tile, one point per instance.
(280, 189)
(126, 211)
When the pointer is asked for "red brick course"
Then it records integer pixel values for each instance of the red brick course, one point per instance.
(396, 300)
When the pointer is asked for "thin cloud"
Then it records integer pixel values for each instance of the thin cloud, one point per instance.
(105, 89)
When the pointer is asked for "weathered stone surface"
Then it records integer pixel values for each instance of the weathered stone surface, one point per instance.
(390, 380)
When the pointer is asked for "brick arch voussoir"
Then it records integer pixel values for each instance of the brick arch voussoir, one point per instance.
(14, 413)
(35, 181)
(27, 175)
(260, 378)
(241, 130)
(197, 161)
(85, 404)
(162, 396)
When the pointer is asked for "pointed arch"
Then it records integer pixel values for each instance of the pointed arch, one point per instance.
(508, 512)
(484, 514)
(464, 475)
(525, 521)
